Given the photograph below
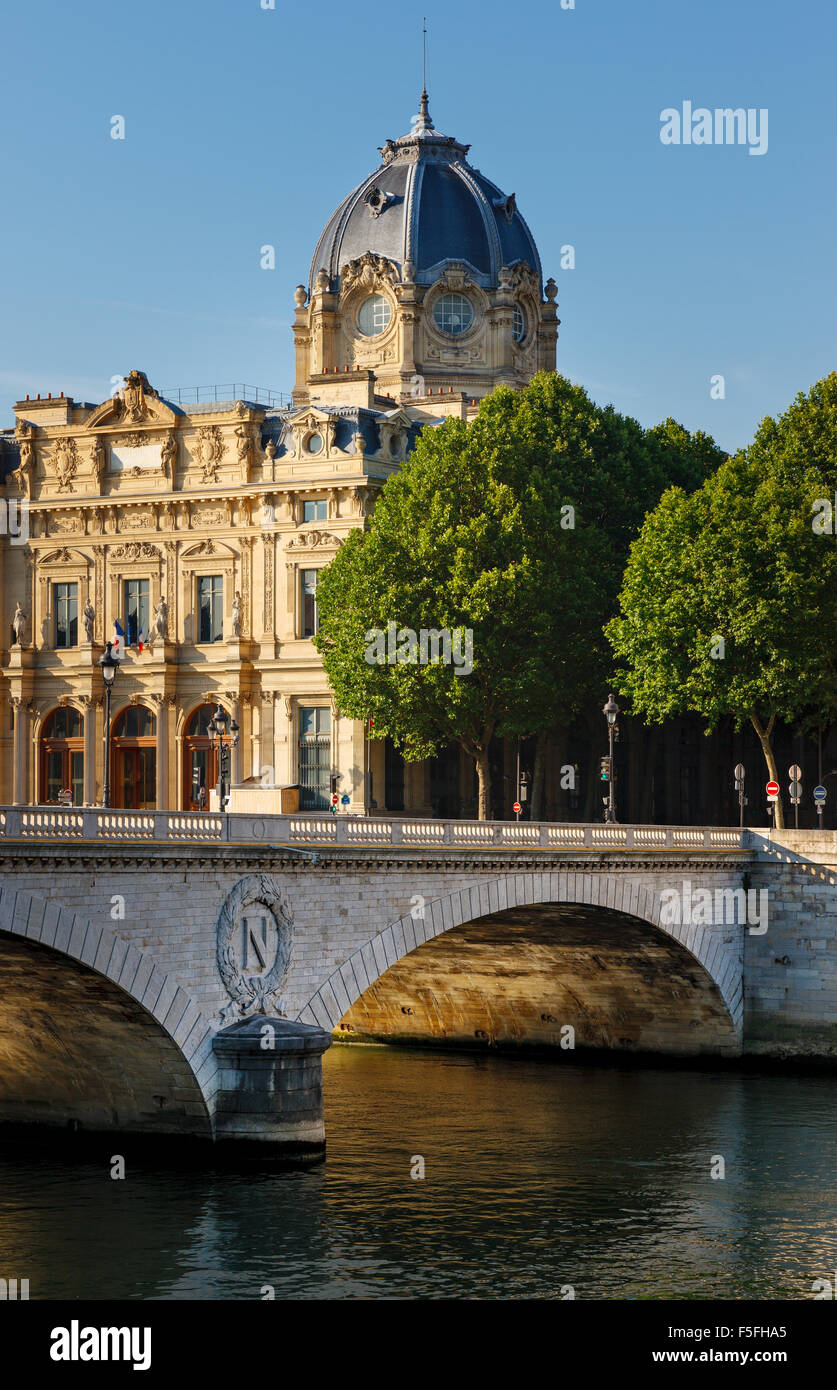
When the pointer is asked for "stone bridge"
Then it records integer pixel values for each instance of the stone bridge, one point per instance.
(182, 974)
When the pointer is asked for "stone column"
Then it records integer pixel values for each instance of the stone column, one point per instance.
(256, 735)
(269, 1104)
(283, 728)
(89, 752)
(237, 752)
(268, 751)
(162, 711)
(21, 721)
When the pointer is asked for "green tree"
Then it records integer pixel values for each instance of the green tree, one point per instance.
(729, 603)
(516, 528)
(464, 541)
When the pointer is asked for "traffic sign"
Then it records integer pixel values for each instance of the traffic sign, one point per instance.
(773, 789)
(345, 799)
(334, 798)
(795, 788)
(516, 808)
(738, 772)
(819, 793)
(795, 773)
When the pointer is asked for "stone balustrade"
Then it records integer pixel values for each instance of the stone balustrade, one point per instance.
(96, 823)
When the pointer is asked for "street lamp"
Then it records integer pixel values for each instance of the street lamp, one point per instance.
(610, 712)
(109, 667)
(220, 719)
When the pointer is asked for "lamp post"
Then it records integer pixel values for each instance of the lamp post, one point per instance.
(610, 712)
(220, 720)
(523, 790)
(109, 667)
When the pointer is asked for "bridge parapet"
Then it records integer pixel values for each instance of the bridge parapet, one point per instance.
(95, 823)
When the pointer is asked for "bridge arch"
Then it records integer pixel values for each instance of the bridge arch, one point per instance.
(599, 902)
(107, 1040)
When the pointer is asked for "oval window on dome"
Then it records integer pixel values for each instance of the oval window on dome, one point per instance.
(374, 315)
(453, 313)
(518, 324)
(314, 443)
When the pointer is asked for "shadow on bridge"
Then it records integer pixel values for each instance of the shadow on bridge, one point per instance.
(545, 970)
(91, 1030)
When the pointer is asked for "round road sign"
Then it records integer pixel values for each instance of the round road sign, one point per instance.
(773, 789)
(819, 793)
(516, 808)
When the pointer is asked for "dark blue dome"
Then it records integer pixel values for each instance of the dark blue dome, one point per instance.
(425, 205)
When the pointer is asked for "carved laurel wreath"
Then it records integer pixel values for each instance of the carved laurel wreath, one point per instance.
(259, 995)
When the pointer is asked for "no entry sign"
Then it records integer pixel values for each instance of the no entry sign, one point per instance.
(516, 808)
(773, 789)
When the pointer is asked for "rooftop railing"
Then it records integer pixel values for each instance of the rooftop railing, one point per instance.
(226, 391)
(359, 832)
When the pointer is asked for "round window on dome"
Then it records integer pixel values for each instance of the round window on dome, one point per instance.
(518, 324)
(453, 314)
(374, 315)
(314, 443)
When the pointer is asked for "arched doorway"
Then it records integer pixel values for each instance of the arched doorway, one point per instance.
(200, 753)
(134, 760)
(62, 755)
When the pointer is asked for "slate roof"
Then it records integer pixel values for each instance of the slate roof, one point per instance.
(436, 208)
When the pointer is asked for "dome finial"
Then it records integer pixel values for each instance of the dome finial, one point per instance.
(422, 121)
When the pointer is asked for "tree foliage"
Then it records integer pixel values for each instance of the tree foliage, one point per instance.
(729, 601)
(514, 527)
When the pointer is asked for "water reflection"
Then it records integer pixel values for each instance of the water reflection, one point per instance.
(537, 1177)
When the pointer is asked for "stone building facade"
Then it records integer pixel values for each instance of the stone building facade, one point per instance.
(200, 528)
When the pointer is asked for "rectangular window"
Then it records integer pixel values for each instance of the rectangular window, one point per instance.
(310, 619)
(65, 601)
(315, 511)
(211, 608)
(137, 610)
(314, 758)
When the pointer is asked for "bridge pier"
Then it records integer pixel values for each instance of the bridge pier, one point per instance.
(269, 1103)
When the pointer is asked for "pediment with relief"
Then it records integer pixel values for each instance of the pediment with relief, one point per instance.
(136, 403)
(64, 556)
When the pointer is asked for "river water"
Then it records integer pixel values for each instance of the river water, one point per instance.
(538, 1178)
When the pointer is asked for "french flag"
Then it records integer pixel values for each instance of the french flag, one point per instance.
(118, 645)
(140, 640)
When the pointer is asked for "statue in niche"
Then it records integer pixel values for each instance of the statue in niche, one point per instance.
(236, 615)
(23, 473)
(97, 460)
(242, 448)
(88, 616)
(19, 625)
(161, 620)
(168, 455)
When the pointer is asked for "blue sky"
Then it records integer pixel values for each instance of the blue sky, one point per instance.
(247, 126)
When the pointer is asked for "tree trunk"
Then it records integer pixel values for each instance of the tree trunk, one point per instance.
(538, 778)
(764, 735)
(484, 782)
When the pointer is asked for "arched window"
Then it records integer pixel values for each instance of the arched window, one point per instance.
(135, 722)
(200, 722)
(134, 759)
(63, 723)
(200, 759)
(62, 756)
